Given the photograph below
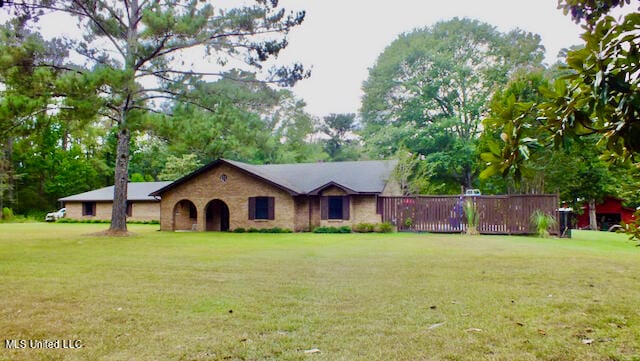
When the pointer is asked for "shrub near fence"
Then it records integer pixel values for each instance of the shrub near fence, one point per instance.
(508, 214)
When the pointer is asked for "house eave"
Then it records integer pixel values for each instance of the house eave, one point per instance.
(317, 191)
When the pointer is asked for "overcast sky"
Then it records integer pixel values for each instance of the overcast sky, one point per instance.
(341, 39)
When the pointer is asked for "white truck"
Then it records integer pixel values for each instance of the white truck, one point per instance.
(54, 216)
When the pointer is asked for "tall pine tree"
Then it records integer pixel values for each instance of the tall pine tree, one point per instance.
(137, 55)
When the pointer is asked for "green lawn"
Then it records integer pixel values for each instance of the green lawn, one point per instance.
(214, 296)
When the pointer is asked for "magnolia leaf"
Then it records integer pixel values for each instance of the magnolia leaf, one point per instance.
(494, 148)
(490, 157)
(490, 171)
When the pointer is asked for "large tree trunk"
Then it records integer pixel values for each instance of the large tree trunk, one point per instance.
(467, 181)
(593, 221)
(119, 209)
(119, 212)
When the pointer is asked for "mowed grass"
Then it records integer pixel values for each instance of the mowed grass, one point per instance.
(217, 296)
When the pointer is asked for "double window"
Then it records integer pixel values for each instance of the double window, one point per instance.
(262, 208)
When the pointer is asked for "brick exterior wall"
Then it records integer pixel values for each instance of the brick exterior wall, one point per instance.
(298, 213)
(183, 220)
(362, 209)
(302, 215)
(234, 192)
(141, 211)
(74, 211)
(144, 211)
(315, 213)
(333, 191)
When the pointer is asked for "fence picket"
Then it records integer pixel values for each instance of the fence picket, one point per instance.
(509, 214)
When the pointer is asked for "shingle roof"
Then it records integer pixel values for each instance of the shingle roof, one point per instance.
(138, 191)
(368, 177)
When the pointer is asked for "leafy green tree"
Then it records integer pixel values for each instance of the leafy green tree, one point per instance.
(225, 132)
(600, 94)
(589, 11)
(629, 182)
(512, 130)
(73, 171)
(49, 171)
(428, 91)
(596, 95)
(131, 44)
(178, 167)
(342, 142)
(413, 174)
(23, 95)
(248, 120)
(291, 127)
(519, 148)
(577, 172)
(148, 157)
(45, 113)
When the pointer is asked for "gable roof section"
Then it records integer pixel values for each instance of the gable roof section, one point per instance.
(245, 168)
(331, 184)
(138, 191)
(356, 177)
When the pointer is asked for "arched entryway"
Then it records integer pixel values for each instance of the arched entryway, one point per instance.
(217, 216)
(185, 216)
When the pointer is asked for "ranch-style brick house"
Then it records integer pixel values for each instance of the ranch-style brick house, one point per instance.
(97, 204)
(224, 195)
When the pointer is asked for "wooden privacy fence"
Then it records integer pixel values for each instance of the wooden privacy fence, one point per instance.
(508, 214)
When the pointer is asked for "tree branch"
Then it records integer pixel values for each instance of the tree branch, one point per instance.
(158, 73)
(48, 7)
(155, 53)
(237, 34)
(146, 109)
(113, 13)
(87, 14)
(127, 8)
